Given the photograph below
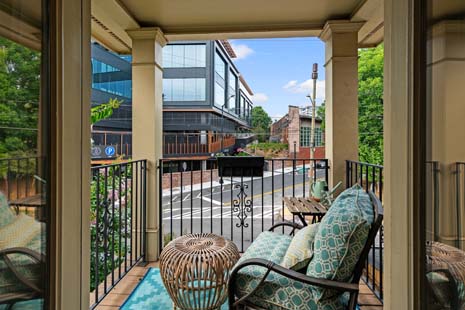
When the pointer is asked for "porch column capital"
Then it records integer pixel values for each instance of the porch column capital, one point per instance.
(339, 26)
(148, 33)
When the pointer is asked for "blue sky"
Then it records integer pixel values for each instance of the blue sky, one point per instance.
(279, 70)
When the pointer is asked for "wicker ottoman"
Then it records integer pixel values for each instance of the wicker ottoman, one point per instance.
(195, 270)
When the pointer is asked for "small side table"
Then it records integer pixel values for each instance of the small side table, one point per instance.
(305, 207)
(195, 270)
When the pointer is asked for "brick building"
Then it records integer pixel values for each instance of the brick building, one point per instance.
(295, 126)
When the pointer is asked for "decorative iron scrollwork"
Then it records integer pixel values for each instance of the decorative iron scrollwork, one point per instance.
(242, 205)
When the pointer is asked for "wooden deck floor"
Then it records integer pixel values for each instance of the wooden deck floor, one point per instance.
(121, 291)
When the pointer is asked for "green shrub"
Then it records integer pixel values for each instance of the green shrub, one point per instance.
(270, 146)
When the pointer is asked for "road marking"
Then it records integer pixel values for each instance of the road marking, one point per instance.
(215, 202)
(278, 190)
(185, 198)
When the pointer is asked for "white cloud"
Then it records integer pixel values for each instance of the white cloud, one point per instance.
(259, 98)
(242, 51)
(290, 84)
(306, 87)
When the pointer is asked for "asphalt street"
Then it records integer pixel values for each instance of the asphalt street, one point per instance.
(218, 208)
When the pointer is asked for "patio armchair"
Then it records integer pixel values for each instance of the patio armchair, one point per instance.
(330, 281)
(22, 261)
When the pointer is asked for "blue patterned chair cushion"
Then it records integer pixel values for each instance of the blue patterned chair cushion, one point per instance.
(6, 214)
(300, 251)
(340, 239)
(277, 292)
(23, 231)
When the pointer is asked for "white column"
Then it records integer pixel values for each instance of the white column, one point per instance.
(341, 72)
(147, 119)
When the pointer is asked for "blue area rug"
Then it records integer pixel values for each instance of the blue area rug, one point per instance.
(150, 294)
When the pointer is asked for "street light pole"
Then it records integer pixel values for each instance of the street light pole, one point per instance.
(222, 128)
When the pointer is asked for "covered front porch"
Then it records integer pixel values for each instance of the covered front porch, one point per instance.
(179, 200)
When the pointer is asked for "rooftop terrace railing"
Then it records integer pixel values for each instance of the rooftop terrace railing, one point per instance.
(370, 177)
(118, 221)
(194, 199)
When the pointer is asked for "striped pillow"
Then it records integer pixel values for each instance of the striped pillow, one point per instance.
(300, 251)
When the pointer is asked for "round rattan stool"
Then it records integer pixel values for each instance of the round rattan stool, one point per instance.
(195, 270)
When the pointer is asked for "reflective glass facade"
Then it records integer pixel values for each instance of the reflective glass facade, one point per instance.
(220, 80)
(112, 78)
(232, 96)
(184, 56)
(184, 89)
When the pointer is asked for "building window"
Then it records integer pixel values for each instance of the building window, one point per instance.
(232, 92)
(120, 88)
(184, 56)
(220, 78)
(219, 95)
(101, 67)
(220, 66)
(305, 133)
(184, 89)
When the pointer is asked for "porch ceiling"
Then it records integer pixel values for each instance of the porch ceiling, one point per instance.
(225, 19)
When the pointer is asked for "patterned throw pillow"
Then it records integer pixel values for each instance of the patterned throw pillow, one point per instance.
(300, 251)
(6, 214)
(340, 239)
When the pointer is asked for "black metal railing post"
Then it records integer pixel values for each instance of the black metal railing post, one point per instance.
(370, 177)
(118, 211)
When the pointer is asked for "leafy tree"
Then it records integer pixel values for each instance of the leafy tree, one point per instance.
(370, 105)
(261, 122)
(321, 114)
(104, 110)
(370, 97)
(19, 99)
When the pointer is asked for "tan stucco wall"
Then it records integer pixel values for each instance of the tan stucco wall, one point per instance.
(446, 68)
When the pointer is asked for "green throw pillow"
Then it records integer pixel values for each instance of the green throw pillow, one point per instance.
(6, 214)
(340, 239)
(300, 251)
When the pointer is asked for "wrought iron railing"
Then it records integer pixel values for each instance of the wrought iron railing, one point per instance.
(118, 221)
(459, 199)
(370, 177)
(194, 199)
(21, 184)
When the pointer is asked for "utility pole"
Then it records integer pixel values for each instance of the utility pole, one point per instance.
(312, 134)
(312, 129)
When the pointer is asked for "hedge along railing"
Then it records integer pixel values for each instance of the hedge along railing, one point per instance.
(370, 177)
(118, 221)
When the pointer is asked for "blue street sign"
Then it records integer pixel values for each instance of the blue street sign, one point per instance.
(110, 151)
